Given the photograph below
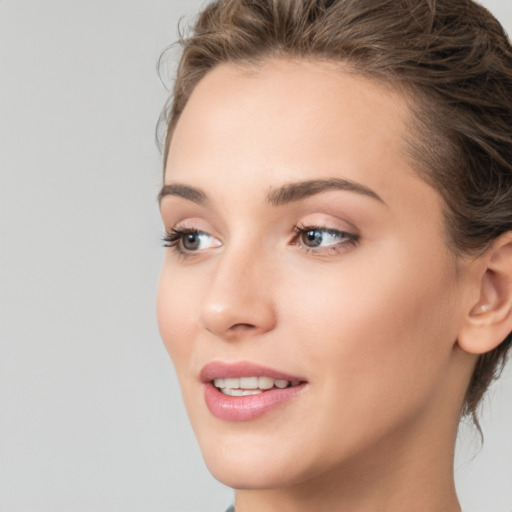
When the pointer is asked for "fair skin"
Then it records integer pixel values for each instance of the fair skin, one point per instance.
(366, 304)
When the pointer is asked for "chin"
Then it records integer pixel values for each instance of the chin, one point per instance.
(246, 475)
(248, 465)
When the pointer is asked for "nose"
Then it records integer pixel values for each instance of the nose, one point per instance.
(238, 302)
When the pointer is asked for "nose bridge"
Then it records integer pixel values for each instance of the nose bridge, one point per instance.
(239, 299)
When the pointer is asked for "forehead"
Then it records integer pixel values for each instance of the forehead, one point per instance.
(288, 102)
(286, 120)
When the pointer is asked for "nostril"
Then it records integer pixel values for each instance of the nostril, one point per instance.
(234, 329)
(242, 327)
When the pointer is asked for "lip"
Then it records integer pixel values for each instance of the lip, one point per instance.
(245, 408)
(221, 370)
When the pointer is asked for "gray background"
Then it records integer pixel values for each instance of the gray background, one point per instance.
(91, 418)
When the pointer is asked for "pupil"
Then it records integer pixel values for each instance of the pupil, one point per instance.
(313, 238)
(191, 241)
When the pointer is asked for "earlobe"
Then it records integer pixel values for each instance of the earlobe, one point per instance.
(489, 320)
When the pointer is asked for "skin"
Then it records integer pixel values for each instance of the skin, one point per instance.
(372, 324)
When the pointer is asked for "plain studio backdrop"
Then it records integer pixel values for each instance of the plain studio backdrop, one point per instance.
(91, 417)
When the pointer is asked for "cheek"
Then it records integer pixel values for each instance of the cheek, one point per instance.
(373, 333)
(176, 304)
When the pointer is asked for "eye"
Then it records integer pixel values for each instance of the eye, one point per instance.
(316, 237)
(189, 240)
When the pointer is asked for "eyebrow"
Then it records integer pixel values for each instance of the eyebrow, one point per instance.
(289, 193)
(177, 189)
(296, 191)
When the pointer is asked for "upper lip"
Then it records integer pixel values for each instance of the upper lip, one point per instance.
(222, 370)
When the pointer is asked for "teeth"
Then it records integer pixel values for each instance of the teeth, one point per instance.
(232, 383)
(249, 382)
(220, 383)
(265, 383)
(244, 386)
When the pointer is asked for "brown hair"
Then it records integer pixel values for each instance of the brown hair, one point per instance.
(451, 56)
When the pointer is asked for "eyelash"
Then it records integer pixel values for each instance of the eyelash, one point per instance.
(174, 239)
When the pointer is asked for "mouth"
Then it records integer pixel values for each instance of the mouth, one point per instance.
(245, 391)
(246, 386)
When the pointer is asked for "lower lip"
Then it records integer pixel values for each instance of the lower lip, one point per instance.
(250, 407)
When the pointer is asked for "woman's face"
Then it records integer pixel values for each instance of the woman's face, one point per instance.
(306, 253)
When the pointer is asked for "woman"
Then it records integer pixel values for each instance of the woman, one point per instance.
(337, 289)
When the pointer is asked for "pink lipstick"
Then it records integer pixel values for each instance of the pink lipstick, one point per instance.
(244, 391)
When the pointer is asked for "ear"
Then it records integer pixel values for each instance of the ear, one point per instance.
(489, 321)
